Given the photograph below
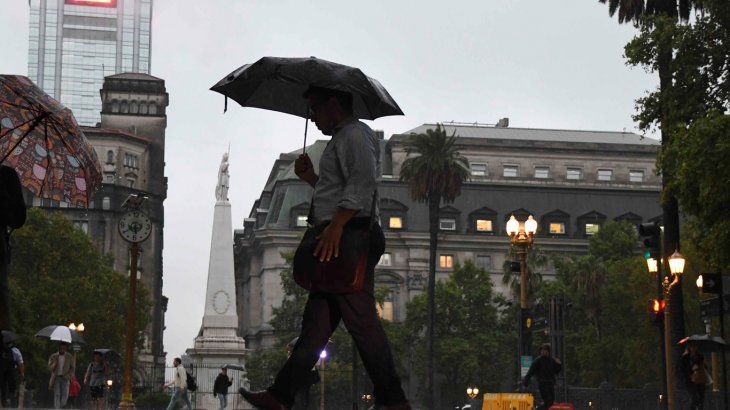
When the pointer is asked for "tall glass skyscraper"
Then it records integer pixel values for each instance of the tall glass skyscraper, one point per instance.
(75, 43)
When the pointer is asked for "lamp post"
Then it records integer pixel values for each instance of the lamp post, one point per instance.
(472, 392)
(366, 399)
(676, 268)
(134, 227)
(78, 328)
(521, 237)
(653, 267)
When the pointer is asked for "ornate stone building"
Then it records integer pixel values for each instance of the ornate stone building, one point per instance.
(572, 182)
(130, 144)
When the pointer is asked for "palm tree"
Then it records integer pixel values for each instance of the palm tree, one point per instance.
(636, 11)
(535, 260)
(435, 171)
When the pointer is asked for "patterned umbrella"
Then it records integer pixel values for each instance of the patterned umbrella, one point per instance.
(41, 140)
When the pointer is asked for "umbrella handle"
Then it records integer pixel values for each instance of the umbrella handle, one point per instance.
(306, 123)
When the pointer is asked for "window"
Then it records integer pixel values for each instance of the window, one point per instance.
(478, 169)
(574, 173)
(302, 221)
(446, 224)
(636, 176)
(395, 222)
(131, 160)
(446, 261)
(484, 261)
(110, 157)
(542, 172)
(385, 311)
(510, 171)
(484, 225)
(605, 174)
(592, 229)
(557, 228)
(130, 182)
(109, 178)
(83, 225)
(386, 259)
(106, 203)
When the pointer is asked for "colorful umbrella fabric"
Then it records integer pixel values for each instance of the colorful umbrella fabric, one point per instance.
(41, 140)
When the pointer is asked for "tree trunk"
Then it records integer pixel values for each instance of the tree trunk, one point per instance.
(670, 207)
(433, 228)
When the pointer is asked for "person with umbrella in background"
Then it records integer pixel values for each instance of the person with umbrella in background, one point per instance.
(95, 378)
(220, 387)
(62, 365)
(344, 205)
(695, 375)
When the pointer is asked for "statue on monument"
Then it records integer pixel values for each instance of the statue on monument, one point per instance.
(221, 191)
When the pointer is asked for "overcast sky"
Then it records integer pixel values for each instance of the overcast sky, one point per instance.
(543, 64)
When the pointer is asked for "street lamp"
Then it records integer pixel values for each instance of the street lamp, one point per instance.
(72, 326)
(366, 398)
(676, 263)
(472, 392)
(521, 237)
(676, 267)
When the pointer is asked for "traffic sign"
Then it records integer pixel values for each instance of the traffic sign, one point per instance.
(711, 307)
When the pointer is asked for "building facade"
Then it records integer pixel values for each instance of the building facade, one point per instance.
(74, 44)
(131, 150)
(572, 182)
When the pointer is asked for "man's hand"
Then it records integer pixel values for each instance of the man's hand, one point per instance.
(329, 242)
(305, 170)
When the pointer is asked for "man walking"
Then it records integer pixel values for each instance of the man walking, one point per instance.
(343, 197)
(545, 368)
(62, 365)
(179, 386)
(220, 387)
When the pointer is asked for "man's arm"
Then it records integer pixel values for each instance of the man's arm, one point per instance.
(329, 240)
(529, 374)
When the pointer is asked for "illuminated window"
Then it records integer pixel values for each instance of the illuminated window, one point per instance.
(542, 172)
(385, 259)
(385, 311)
(557, 228)
(395, 222)
(605, 174)
(447, 224)
(510, 171)
(574, 173)
(636, 176)
(592, 229)
(446, 261)
(484, 225)
(478, 170)
(302, 221)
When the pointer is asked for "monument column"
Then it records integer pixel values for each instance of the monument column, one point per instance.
(218, 343)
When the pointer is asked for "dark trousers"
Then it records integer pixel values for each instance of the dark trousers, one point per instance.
(547, 393)
(322, 315)
(696, 395)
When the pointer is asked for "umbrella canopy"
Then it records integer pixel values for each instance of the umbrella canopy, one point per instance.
(8, 336)
(60, 334)
(41, 140)
(108, 353)
(706, 343)
(277, 84)
(235, 367)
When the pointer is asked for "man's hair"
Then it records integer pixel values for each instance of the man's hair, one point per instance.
(177, 359)
(545, 347)
(322, 94)
(97, 353)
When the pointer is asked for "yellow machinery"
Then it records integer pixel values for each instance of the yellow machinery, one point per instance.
(508, 401)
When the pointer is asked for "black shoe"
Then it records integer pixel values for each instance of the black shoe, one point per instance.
(263, 400)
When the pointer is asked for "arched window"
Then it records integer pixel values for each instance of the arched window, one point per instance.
(134, 107)
(153, 108)
(125, 107)
(110, 157)
(115, 106)
(143, 108)
(106, 203)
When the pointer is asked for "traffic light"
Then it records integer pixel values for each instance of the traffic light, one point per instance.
(656, 309)
(652, 239)
(515, 267)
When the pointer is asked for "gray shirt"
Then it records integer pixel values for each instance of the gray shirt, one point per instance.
(348, 171)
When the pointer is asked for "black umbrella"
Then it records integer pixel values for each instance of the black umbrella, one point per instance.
(9, 336)
(278, 83)
(235, 367)
(108, 353)
(705, 343)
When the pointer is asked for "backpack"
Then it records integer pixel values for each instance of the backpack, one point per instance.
(192, 384)
(7, 361)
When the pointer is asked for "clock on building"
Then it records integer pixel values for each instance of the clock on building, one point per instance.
(135, 226)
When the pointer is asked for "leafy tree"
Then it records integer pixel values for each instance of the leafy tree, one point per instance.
(435, 171)
(536, 259)
(473, 339)
(56, 277)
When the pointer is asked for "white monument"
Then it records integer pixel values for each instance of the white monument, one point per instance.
(218, 343)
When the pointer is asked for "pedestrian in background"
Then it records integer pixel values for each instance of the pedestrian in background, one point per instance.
(695, 375)
(545, 367)
(62, 366)
(19, 381)
(95, 377)
(12, 216)
(179, 386)
(220, 387)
